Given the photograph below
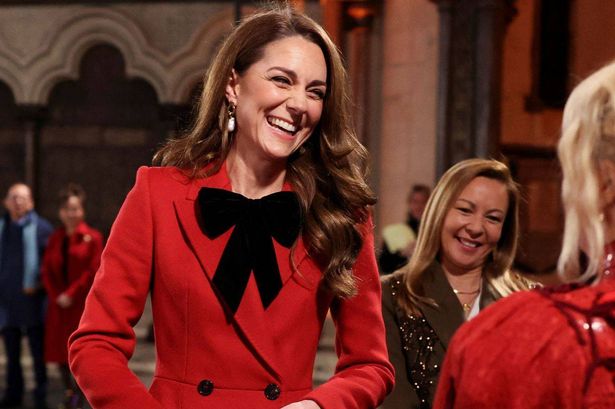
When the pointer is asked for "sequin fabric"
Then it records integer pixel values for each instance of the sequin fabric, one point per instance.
(418, 340)
(590, 323)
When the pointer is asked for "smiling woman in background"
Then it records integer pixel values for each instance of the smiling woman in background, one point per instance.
(255, 227)
(463, 254)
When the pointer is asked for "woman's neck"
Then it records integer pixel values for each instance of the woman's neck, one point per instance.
(464, 281)
(253, 177)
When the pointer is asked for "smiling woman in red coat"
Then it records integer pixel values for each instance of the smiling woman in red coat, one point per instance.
(256, 227)
(71, 259)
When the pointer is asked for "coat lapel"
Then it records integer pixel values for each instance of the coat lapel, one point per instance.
(251, 319)
(448, 316)
(207, 251)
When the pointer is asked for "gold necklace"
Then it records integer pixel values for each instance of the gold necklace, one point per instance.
(456, 291)
(467, 306)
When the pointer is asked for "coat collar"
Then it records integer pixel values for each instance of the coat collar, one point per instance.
(448, 316)
(250, 319)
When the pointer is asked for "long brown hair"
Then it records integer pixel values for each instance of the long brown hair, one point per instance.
(448, 189)
(328, 172)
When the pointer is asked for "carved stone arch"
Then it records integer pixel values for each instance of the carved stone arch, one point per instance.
(192, 61)
(60, 61)
(13, 82)
(172, 76)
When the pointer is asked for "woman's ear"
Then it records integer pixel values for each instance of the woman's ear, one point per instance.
(606, 177)
(232, 88)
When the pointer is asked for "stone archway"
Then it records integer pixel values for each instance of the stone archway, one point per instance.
(100, 128)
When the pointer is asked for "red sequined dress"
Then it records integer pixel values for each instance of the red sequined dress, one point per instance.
(547, 348)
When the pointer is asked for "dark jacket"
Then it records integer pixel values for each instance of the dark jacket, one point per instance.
(17, 308)
(417, 344)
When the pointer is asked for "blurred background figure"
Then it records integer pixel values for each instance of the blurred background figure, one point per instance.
(399, 239)
(23, 237)
(69, 265)
(464, 251)
(555, 348)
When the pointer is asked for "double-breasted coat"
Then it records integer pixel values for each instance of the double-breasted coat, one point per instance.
(206, 357)
(417, 344)
(72, 276)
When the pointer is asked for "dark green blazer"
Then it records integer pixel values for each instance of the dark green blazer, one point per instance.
(444, 320)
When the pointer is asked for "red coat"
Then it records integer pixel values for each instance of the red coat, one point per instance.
(84, 249)
(254, 359)
(534, 350)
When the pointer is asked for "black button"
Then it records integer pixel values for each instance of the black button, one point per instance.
(205, 387)
(272, 391)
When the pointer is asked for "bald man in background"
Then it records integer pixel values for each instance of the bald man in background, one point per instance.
(23, 237)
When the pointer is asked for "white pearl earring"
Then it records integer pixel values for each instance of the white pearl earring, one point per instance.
(230, 125)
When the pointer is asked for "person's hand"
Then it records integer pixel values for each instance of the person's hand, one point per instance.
(64, 300)
(304, 404)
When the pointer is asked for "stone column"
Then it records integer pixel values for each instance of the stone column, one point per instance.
(358, 23)
(33, 118)
(471, 37)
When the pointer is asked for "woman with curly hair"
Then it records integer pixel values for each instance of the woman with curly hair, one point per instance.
(255, 226)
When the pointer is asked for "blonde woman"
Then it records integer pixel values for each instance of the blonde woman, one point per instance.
(254, 228)
(461, 264)
(555, 348)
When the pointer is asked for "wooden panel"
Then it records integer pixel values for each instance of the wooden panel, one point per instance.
(541, 212)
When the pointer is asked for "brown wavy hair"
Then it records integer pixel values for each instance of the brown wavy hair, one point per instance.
(328, 172)
(497, 266)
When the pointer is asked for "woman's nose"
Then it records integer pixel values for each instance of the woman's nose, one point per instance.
(474, 227)
(297, 102)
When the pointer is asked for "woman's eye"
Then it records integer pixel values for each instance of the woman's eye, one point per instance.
(317, 94)
(494, 219)
(281, 80)
(464, 210)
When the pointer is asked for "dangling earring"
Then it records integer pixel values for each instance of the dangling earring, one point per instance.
(230, 125)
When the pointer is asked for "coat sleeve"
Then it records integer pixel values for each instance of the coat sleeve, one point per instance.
(104, 342)
(83, 283)
(363, 374)
(402, 394)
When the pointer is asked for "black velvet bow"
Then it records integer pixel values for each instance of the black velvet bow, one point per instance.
(250, 247)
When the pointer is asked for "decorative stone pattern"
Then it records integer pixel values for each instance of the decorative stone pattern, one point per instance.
(167, 45)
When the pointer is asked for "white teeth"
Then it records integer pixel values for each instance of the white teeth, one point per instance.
(468, 243)
(288, 127)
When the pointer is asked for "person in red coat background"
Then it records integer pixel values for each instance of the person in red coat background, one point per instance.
(69, 265)
(554, 348)
(256, 226)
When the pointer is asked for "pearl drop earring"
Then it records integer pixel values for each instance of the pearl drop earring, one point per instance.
(230, 125)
